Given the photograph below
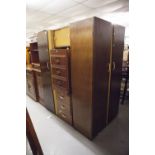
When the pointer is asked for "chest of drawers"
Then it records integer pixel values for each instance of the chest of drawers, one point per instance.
(60, 74)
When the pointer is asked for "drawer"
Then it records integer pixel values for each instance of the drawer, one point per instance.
(60, 72)
(65, 115)
(59, 60)
(63, 97)
(60, 83)
(59, 56)
(64, 106)
(59, 52)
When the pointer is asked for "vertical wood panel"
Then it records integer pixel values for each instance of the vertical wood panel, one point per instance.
(81, 74)
(117, 58)
(44, 59)
(50, 39)
(101, 59)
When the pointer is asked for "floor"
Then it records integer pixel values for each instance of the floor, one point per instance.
(58, 138)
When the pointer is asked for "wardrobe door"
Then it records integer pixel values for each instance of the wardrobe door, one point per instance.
(81, 74)
(45, 70)
(101, 56)
(116, 70)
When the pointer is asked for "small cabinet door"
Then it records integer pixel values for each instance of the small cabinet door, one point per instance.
(30, 85)
(40, 88)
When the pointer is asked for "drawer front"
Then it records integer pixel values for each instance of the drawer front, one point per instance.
(60, 83)
(59, 72)
(59, 52)
(65, 115)
(59, 60)
(64, 106)
(63, 98)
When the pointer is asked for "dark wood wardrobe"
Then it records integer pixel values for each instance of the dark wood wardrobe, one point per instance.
(90, 57)
(94, 96)
(44, 78)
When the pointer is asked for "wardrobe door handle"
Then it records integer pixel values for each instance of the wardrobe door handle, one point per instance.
(114, 65)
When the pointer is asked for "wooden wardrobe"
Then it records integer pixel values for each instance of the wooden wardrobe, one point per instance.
(94, 100)
(44, 77)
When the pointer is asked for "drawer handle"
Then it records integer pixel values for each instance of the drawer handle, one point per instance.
(57, 60)
(61, 97)
(58, 72)
(59, 83)
(62, 107)
(63, 115)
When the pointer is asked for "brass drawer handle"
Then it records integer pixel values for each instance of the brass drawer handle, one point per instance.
(61, 97)
(57, 60)
(63, 115)
(59, 83)
(58, 72)
(62, 107)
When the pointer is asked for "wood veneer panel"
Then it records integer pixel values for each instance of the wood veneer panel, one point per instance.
(116, 73)
(44, 59)
(101, 59)
(81, 34)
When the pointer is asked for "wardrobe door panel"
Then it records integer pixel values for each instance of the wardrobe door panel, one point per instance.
(81, 74)
(116, 70)
(101, 58)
